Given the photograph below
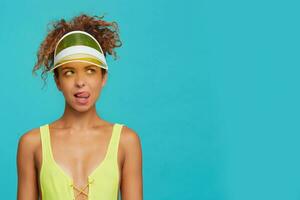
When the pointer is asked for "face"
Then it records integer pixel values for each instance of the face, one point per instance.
(81, 84)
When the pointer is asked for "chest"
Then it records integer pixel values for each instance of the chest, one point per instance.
(78, 155)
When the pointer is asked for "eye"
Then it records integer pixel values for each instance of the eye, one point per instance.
(69, 72)
(91, 70)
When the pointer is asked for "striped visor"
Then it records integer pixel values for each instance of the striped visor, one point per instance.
(78, 46)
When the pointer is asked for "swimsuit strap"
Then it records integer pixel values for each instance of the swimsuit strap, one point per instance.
(44, 134)
(113, 149)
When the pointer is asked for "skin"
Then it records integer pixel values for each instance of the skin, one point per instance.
(80, 125)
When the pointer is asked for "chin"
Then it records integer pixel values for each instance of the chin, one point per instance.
(80, 107)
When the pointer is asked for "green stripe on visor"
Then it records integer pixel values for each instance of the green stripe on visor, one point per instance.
(77, 39)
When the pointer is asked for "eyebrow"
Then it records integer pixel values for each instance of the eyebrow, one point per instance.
(74, 68)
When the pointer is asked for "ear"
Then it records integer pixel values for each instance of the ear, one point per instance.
(104, 79)
(57, 83)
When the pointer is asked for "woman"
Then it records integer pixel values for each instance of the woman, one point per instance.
(80, 155)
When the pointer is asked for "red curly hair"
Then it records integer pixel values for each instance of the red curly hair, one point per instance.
(106, 33)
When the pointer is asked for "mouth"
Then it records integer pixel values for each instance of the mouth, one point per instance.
(82, 97)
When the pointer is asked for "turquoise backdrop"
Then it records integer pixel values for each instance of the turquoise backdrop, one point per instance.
(211, 87)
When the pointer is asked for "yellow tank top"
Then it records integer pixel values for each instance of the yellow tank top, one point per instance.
(102, 183)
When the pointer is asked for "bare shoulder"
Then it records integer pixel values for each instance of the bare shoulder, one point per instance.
(28, 143)
(130, 136)
(130, 140)
(29, 140)
(132, 178)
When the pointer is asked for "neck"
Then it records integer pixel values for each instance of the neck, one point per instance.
(80, 120)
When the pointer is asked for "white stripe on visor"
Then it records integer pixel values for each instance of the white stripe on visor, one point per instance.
(79, 49)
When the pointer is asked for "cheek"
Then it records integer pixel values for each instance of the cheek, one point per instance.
(96, 86)
(66, 86)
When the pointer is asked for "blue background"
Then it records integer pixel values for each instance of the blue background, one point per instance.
(211, 87)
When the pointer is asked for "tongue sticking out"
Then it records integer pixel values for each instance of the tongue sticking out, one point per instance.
(83, 95)
(82, 98)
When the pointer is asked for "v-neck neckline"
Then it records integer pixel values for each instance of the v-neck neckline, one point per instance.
(94, 170)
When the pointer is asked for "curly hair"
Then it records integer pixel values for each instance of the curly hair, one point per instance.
(106, 33)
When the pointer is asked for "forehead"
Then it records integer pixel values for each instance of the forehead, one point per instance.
(76, 65)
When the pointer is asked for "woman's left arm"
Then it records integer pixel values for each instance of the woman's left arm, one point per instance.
(132, 175)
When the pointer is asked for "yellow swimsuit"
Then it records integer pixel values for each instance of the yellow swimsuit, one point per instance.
(103, 182)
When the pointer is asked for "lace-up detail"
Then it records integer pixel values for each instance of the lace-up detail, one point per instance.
(82, 191)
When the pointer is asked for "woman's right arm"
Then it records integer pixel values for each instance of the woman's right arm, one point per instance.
(27, 184)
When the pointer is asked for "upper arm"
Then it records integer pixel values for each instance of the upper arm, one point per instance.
(27, 185)
(132, 178)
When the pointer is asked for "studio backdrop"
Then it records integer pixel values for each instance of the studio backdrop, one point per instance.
(211, 87)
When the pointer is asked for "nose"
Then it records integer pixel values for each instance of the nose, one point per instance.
(80, 80)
